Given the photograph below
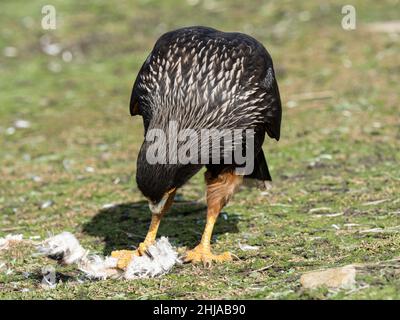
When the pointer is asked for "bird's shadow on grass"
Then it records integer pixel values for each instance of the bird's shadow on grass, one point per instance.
(125, 225)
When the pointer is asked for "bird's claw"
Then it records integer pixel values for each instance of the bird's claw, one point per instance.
(203, 254)
(125, 256)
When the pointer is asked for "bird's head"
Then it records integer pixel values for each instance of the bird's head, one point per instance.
(156, 183)
(159, 182)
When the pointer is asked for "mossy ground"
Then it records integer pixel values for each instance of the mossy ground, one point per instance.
(340, 152)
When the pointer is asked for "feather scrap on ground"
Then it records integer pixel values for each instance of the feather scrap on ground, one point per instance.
(9, 239)
(64, 247)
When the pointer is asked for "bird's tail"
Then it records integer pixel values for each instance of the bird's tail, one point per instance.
(260, 174)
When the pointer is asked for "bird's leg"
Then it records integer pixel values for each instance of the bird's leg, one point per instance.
(125, 256)
(219, 190)
(202, 252)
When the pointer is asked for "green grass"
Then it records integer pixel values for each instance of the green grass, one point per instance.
(79, 118)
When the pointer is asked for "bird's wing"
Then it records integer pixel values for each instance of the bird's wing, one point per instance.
(259, 77)
(272, 100)
(139, 106)
(135, 96)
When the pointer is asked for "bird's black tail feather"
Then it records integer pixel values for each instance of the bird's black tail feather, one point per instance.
(261, 172)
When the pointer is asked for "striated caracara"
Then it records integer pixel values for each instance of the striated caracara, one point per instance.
(201, 78)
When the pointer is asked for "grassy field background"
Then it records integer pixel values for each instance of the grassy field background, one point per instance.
(335, 198)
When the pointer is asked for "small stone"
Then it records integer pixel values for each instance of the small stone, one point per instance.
(51, 49)
(108, 206)
(46, 204)
(344, 277)
(246, 247)
(325, 156)
(36, 178)
(22, 124)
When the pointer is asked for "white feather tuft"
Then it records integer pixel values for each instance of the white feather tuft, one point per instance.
(64, 247)
(158, 260)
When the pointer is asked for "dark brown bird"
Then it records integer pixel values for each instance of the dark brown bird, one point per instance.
(202, 78)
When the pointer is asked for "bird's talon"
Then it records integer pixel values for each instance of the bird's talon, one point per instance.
(204, 255)
(125, 256)
(143, 247)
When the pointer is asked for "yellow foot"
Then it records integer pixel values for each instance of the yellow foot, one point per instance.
(125, 256)
(203, 254)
